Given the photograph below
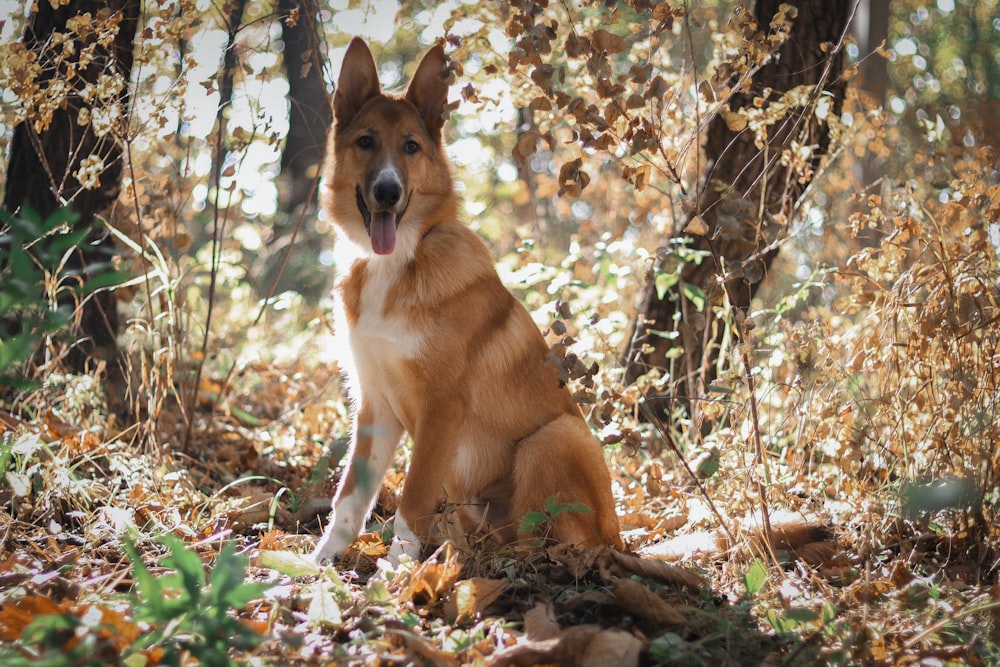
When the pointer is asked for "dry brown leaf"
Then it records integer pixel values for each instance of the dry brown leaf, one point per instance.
(526, 654)
(735, 121)
(572, 178)
(527, 145)
(588, 600)
(612, 647)
(434, 576)
(471, 597)
(671, 521)
(680, 577)
(371, 545)
(578, 561)
(416, 644)
(606, 41)
(696, 225)
(10, 423)
(15, 616)
(118, 628)
(639, 601)
(585, 645)
(540, 622)
(447, 526)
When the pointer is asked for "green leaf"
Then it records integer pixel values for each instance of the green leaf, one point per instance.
(694, 294)
(531, 522)
(227, 581)
(6, 449)
(60, 243)
(377, 592)
(755, 577)
(104, 279)
(554, 507)
(186, 563)
(15, 349)
(228, 570)
(150, 590)
(663, 282)
(801, 615)
(290, 563)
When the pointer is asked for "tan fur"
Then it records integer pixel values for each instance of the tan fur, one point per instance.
(439, 348)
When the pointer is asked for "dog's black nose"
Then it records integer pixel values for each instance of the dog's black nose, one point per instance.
(387, 193)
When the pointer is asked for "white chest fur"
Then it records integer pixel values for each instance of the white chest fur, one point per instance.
(377, 340)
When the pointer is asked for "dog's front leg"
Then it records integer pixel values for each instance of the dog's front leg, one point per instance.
(434, 452)
(376, 433)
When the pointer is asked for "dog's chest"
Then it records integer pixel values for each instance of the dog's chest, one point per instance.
(381, 336)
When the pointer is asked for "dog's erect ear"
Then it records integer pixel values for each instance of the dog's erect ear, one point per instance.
(358, 81)
(428, 90)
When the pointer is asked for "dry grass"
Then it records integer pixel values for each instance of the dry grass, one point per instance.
(877, 409)
(873, 410)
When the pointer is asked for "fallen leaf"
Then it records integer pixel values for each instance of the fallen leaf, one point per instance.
(578, 561)
(584, 645)
(323, 609)
(17, 615)
(290, 563)
(371, 545)
(422, 647)
(540, 622)
(639, 601)
(470, 597)
(612, 647)
(434, 576)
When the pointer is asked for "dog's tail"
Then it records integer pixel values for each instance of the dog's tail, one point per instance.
(809, 540)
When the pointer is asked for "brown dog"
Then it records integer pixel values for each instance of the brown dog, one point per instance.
(439, 348)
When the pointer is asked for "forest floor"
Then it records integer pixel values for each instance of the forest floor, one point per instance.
(119, 548)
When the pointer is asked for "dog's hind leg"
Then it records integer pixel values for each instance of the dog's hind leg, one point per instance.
(375, 436)
(562, 460)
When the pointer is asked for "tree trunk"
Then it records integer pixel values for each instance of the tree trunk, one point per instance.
(310, 115)
(43, 164)
(747, 201)
(871, 29)
(291, 263)
(233, 14)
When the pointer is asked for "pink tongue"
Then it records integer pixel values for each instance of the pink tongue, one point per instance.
(383, 232)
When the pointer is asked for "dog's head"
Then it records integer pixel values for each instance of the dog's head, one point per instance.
(387, 165)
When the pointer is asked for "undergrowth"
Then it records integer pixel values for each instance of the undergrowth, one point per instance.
(161, 511)
(850, 389)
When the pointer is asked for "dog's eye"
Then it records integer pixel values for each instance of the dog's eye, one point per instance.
(365, 142)
(411, 147)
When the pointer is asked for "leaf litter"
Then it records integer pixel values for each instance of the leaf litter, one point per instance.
(859, 440)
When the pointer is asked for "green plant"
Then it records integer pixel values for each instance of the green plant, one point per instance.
(192, 615)
(59, 640)
(532, 523)
(37, 287)
(187, 615)
(670, 648)
(755, 577)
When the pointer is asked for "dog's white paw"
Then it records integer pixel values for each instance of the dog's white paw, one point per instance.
(335, 540)
(404, 541)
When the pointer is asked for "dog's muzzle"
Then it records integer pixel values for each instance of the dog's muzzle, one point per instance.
(382, 223)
